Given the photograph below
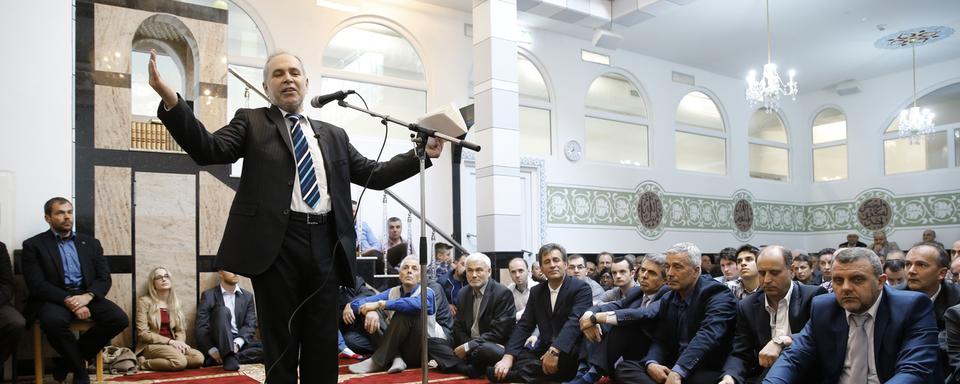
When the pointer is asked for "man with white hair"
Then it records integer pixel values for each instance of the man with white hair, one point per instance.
(695, 326)
(482, 326)
(399, 307)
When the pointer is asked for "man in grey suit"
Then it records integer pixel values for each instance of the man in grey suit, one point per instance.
(226, 324)
(290, 227)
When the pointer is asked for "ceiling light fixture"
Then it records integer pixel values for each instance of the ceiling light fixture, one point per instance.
(767, 90)
(915, 123)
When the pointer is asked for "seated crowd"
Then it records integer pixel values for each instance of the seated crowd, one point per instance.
(854, 314)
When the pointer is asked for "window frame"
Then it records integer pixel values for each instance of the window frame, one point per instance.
(770, 143)
(828, 144)
(952, 131)
(527, 102)
(701, 131)
(638, 120)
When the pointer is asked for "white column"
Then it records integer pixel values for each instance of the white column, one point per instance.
(497, 125)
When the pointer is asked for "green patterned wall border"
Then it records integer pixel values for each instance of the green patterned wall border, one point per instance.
(872, 209)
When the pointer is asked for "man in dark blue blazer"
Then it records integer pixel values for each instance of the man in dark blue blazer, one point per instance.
(758, 341)
(695, 326)
(68, 279)
(865, 332)
(554, 308)
(624, 328)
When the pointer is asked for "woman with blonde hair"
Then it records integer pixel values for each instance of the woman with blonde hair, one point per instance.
(161, 329)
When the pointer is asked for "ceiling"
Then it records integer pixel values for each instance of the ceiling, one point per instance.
(826, 41)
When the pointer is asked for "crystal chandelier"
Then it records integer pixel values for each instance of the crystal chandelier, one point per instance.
(914, 122)
(767, 90)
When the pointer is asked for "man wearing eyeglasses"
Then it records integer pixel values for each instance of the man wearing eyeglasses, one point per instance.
(577, 267)
(68, 280)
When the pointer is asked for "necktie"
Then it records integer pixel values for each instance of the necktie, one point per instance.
(859, 349)
(308, 176)
(475, 328)
(645, 302)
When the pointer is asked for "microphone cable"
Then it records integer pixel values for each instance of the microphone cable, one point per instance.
(333, 254)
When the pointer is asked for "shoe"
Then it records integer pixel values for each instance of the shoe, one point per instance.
(583, 378)
(398, 365)
(230, 363)
(366, 366)
(60, 371)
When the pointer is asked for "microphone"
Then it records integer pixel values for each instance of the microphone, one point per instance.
(320, 101)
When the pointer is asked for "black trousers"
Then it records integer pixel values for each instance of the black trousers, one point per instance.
(108, 321)
(632, 371)
(527, 368)
(301, 279)
(402, 339)
(221, 336)
(629, 342)
(478, 358)
(12, 326)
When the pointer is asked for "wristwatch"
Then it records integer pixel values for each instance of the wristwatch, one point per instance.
(593, 318)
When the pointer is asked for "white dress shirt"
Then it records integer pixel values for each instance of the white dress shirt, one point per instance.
(872, 377)
(555, 292)
(296, 201)
(230, 301)
(780, 317)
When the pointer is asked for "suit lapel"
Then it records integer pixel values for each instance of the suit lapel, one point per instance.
(880, 327)
(795, 304)
(760, 311)
(487, 295)
(276, 116)
(54, 251)
(85, 268)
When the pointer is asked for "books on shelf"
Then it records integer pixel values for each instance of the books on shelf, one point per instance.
(152, 136)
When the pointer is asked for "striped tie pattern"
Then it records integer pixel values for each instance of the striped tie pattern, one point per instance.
(309, 189)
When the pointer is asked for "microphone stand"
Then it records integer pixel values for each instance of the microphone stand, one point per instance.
(420, 149)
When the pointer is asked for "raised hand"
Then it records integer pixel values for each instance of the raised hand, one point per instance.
(156, 82)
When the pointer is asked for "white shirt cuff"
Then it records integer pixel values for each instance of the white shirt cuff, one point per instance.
(239, 342)
(611, 318)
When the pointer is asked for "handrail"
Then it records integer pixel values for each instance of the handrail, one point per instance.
(247, 83)
(429, 223)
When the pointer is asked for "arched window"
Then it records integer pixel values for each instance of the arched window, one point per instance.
(769, 146)
(829, 134)
(381, 65)
(701, 141)
(933, 150)
(534, 109)
(616, 128)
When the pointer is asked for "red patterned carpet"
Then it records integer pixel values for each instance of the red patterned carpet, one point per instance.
(409, 376)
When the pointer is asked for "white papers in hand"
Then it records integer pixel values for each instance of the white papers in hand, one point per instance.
(446, 120)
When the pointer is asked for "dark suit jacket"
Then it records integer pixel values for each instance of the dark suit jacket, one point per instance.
(258, 216)
(948, 297)
(952, 319)
(753, 328)
(497, 316)
(559, 327)
(711, 319)
(6, 277)
(442, 315)
(904, 341)
(628, 309)
(43, 268)
(244, 312)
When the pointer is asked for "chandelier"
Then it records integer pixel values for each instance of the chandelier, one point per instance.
(767, 90)
(915, 123)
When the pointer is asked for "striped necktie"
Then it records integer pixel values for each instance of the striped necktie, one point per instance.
(309, 189)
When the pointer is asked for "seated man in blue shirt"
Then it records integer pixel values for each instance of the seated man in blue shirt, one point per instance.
(399, 307)
(367, 241)
(68, 278)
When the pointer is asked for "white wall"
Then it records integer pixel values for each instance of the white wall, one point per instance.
(36, 137)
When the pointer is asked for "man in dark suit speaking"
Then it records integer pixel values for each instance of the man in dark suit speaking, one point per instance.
(290, 226)
(865, 333)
